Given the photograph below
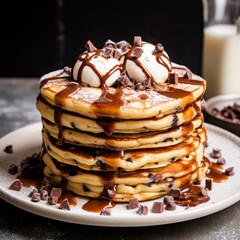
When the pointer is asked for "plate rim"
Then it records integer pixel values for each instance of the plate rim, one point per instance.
(116, 221)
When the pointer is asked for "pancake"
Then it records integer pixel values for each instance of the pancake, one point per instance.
(128, 160)
(76, 121)
(123, 103)
(123, 122)
(144, 184)
(122, 141)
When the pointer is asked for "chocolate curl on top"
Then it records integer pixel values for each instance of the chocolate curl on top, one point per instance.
(123, 45)
(137, 53)
(89, 46)
(110, 43)
(108, 52)
(137, 41)
(159, 48)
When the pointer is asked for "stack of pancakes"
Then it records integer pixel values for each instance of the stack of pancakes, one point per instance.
(123, 141)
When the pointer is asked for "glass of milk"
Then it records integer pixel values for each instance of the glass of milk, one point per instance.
(221, 47)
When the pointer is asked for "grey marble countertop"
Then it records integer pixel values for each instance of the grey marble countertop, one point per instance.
(17, 109)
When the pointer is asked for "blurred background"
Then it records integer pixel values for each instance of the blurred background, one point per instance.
(41, 36)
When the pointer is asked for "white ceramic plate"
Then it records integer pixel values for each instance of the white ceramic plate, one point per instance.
(27, 140)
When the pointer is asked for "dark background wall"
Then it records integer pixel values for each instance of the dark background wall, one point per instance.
(41, 36)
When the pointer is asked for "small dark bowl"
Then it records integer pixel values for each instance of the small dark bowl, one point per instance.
(219, 102)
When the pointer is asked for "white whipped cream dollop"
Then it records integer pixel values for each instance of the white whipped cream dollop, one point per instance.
(140, 62)
(93, 69)
(150, 64)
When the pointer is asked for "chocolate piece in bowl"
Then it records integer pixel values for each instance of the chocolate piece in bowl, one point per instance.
(123, 123)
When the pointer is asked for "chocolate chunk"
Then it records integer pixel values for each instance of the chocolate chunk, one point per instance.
(64, 205)
(133, 203)
(44, 195)
(105, 212)
(175, 193)
(67, 70)
(34, 190)
(123, 45)
(158, 177)
(36, 197)
(170, 206)
(203, 192)
(110, 43)
(168, 199)
(151, 178)
(216, 153)
(159, 47)
(86, 188)
(32, 166)
(188, 74)
(16, 185)
(208, 184)
(108, 52)
(89, 46)
(230, 171)
(221, 161)
(157, 207)
(116, 54)
(52, 200)
(124, 81)
(111, 192)
(137, 41)
(142, 210)
(137, 53)
(13, 169)
(56, 192)
(174, 121)
(173, 78)
(102, 165)
(8, 149)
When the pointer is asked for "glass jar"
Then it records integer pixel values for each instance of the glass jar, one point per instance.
(221, 47)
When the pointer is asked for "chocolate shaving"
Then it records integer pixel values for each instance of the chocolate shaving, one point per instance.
(89, 46)
(137, 53)
(16, 185)
(137, 41)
